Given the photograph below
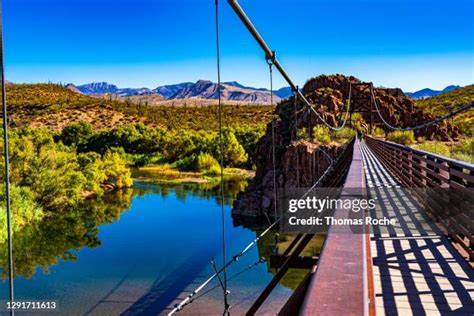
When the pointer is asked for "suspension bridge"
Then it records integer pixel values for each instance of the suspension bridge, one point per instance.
(383, 270)
(422, 265)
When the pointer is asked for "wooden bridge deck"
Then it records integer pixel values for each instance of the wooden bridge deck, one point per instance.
(416, 271)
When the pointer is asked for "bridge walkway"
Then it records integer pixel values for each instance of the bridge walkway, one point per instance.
(416, 270)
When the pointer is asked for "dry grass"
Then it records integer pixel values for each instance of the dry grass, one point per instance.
(99, 117)
(157, 100)
(54, 106)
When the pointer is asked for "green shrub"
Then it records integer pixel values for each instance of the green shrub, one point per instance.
(91, 166)
(302, 134)
(248, 137)
(116, 170)
(358, 123)
(56, 174)
(24, 209)
(214, 170)
(77, 134)
(378, 132)
(321, 134)
(187, 163)
(463, 157)
(206, 161)
(234, 153)
(464, 150)
(435, 148)
(344, 134)
(401, 137)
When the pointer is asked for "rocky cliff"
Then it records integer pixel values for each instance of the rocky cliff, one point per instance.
(328, 94)
(298, 162)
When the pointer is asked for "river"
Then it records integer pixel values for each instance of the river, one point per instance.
(136, 251)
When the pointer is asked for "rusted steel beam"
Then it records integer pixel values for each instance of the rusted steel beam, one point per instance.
(339, 286)
(292, 245)
(370, 275)
(276, 261)
(279, 275)
(293, 304)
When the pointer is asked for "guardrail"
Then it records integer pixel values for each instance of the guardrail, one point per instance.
(340, 282)
(443, 185)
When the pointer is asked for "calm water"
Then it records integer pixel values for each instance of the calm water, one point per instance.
(135, 252)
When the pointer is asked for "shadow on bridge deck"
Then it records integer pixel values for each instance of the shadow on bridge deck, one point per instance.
(415, 268)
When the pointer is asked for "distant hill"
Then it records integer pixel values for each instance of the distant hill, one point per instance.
(451, 100)
(238, 85)
(169, 90)
(55, 106)
(427, 93)
(73, 88)
(205, 89)
(97, 87)
(284, 92)
(104, 87)
(202, 89)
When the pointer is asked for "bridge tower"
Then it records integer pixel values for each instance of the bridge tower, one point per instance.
(362, 102)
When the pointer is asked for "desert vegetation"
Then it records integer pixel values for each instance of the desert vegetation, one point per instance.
(54, 106)
(460, 150)
(449, 101)
(185, 149)
(48, 176)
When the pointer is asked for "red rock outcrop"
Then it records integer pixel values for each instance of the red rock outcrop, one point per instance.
(328, 94)
(299, 162)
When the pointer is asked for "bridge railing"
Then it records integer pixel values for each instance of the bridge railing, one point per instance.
(339, 284)
(443, 185)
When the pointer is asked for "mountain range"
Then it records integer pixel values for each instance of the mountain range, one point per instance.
(428, 93)
(104, 87)
(202, 89)
(205, 89)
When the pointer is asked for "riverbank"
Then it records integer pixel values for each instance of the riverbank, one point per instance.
(165, 174)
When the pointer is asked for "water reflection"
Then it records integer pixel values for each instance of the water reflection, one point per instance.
(207, 190)
(43, 243)
(158, 244)
(55, 237)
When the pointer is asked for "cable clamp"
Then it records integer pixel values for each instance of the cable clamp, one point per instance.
(295, 90)
(271, 59)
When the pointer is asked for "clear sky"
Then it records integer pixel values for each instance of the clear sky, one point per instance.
(410, 44)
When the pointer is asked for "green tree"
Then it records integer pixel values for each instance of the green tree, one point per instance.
(77, 134)
(116, 170)
(234, 153)
(55, 178)
(321, 134)
(92, 168)
(249, 137)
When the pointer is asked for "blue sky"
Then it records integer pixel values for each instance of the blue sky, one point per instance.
(133, 43)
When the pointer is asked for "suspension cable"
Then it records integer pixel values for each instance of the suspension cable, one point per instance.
(424, 125)
(7, 166)
(269, 54)
(247, 268)
(275, 194)
(221, 157)
(295, 104)
(348, 108)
